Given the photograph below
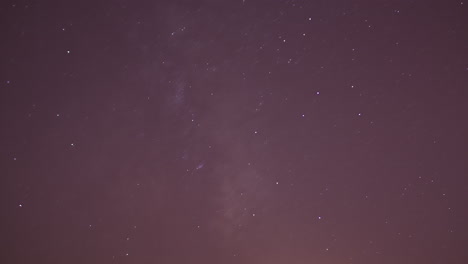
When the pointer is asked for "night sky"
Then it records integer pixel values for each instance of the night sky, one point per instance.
(223, 132)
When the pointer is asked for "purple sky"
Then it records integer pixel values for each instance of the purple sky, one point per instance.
(223, 132)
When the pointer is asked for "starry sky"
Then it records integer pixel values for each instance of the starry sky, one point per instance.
(249, 132)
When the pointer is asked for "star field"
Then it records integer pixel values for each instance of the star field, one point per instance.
(246, 131)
